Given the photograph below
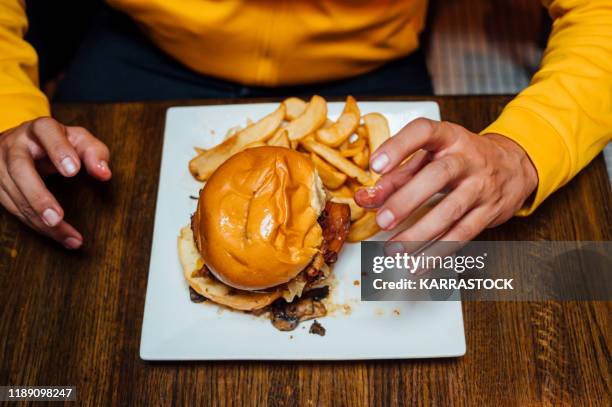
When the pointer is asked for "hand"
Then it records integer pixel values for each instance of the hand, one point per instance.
(487, 179)
(39, 147)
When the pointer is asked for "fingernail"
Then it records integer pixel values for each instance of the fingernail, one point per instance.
(371, 191)
(103, 165)
(380, 162)
(72, 243)
(69, 166)
(385, 218)
(50, 217)
(366, 196)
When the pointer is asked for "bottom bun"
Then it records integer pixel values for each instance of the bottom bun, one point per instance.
(192, 262)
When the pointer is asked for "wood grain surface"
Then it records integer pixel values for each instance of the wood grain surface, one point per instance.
(74, 318)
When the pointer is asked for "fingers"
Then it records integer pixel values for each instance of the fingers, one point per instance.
(421, 133)
(374, 197)
(66, 146)
(32, 189)
(15, 203)
(469, 226)
(51, 135)
(43, 146)
(431, 179)
(442, 217)
(93, 152)
(65, 234)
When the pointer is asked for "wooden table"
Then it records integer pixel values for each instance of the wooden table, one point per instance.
(74, 318)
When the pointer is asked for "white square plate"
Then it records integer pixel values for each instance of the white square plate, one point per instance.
(174, 328)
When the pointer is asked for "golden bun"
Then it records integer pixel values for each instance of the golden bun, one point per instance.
(256, 222)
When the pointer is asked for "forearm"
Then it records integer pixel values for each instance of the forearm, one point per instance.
(564, 118)
(20, 98)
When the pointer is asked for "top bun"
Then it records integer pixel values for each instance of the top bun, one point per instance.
(256, 222)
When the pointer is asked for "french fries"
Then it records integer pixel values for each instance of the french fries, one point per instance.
(280, 139)
(208, 161)
(362, 159)
(346, 125)
(356, 211)
(340, 151)
(353, 149)
(363, 228)
(294, 107)
(343, 192)
(377, 128)
(362, 131)
(330, 177)
(313, 117)
(334, 158)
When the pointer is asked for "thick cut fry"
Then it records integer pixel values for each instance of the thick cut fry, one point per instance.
(342, 192)
(363, 158)
(356, 211)
(207, 162)
(280, 139)
(334, 158)
(362, 131)
(346, 125)
(377, 129)
(308, 122)
(294, 107)
(331, 177)
(348, 142)
(363, 228)
(354, 148)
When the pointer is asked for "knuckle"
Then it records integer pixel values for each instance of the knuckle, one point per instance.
(28, 211)
(14, 164)
(464, 231)
(41, 200)
(78, 134)
(448, 167)
(59, 151)
(453, 210)
(43, 124)
(80, 129)
(463, 141)
(480, 185)
(96, 149)
(447, 126)
(423, 124)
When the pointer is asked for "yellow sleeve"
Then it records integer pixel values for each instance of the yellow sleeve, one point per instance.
(20, 98)
(564, 118)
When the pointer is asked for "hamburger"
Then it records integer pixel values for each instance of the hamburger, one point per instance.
(264, 235)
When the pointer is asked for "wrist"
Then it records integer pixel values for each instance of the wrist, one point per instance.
(520, 157)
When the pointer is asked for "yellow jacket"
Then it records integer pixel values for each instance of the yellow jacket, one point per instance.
(563, 119)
